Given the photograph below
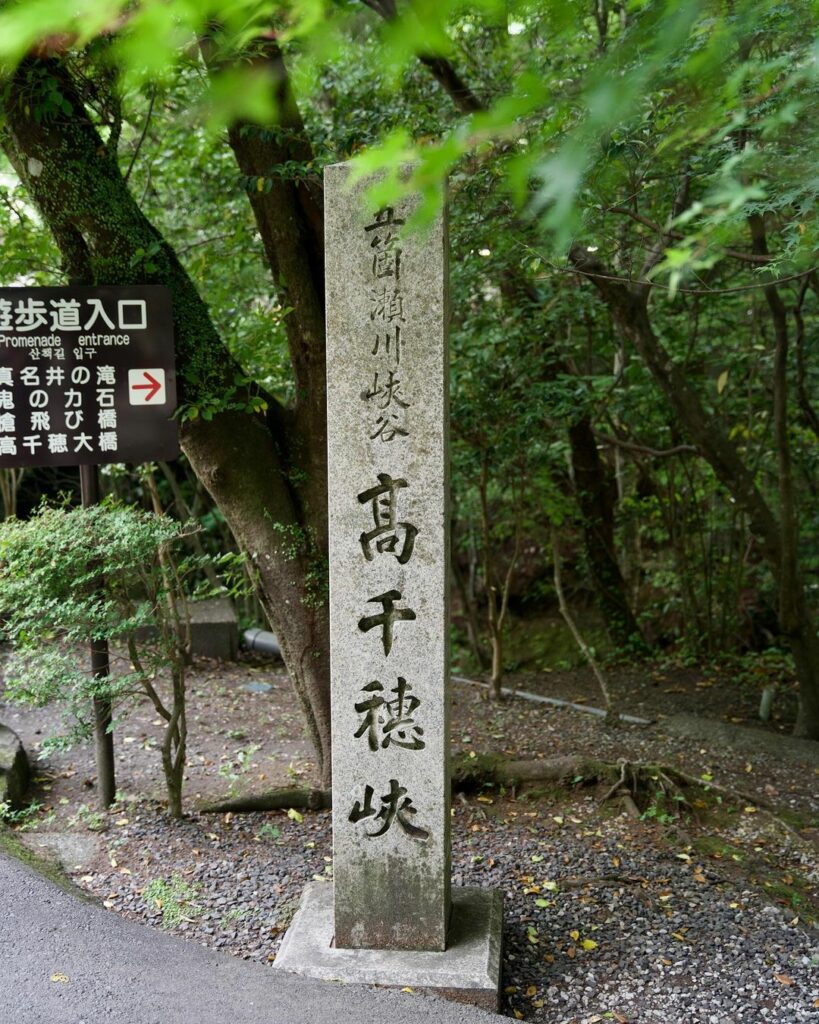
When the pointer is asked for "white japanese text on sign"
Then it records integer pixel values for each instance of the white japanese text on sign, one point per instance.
(74, 364)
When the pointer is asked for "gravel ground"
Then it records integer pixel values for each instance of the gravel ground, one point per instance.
(601, 918)
(606, 918)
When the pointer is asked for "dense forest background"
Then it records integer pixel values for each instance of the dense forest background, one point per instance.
(635, 430)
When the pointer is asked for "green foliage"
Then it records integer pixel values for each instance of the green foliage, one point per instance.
(269, 831)
(24, 819)
(50, 567)
(555, 115)
(641, 131)
(55, 606)
(298, 544)
(662, 808)
(176, 899)
(94, 821)
(238, 763)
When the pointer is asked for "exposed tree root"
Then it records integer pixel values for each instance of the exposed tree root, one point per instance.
(639, 786)
(473, 773)
(275, 800)
(631, 808)
(765, 806)
(581, 881)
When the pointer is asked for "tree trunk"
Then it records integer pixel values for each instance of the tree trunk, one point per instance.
(264, 472)
(497, 592)
(595, 498)
(611, 715)
(236, 458)
(804, 646)
(9, 486)
(795, 618)
(628, 305)
(496, 679)
(470, 611)
(173, 786)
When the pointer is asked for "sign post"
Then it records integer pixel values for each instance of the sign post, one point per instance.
(87, 377)
(387, 410)
(100, 669)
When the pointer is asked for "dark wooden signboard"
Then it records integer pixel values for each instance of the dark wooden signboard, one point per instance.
(87, 376)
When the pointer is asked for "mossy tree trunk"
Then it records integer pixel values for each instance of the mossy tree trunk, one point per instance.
(265, 471)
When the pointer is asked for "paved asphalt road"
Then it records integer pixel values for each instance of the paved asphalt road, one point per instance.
(121, 972)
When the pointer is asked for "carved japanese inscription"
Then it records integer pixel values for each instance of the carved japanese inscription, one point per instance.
(388, 473)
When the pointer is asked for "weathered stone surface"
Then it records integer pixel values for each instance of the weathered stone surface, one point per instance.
(70, 851)
(468, 971)
(214, 629)
(14, 769)
(387, 371)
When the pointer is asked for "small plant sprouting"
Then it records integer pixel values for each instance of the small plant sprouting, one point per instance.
(175, 899)
(658, 809)
(94, 821)
(239, 763)
(24, 820)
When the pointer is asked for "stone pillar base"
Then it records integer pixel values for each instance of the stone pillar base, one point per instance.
(467, 972)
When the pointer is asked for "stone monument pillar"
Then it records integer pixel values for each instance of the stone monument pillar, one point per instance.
(392, 919)
(387, 405)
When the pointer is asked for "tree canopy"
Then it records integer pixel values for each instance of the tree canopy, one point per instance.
(632, 195)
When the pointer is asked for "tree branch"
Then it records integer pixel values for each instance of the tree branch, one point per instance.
(746, 257)
(604, 274)
(805, 404)
(442, 70)
(135, 154)
(657, 453)
(576, 634)
(790, 590)
(657, 251)
(627, 303)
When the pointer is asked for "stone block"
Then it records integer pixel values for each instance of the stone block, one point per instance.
(15, 773)
(388, 458)
(467, 971)
(214, 629)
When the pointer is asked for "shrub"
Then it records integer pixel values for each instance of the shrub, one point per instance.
(55, 607)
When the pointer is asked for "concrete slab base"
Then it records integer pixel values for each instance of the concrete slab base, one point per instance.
(467, 972)
(214, 629)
